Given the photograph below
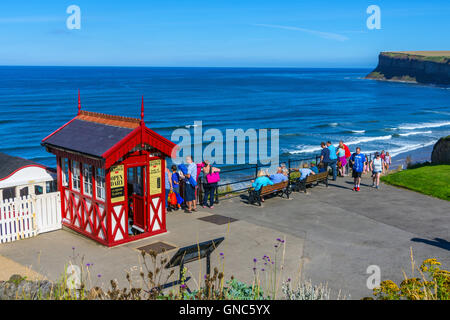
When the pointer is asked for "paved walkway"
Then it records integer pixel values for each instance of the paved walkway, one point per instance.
(346, 231)
(332, 235)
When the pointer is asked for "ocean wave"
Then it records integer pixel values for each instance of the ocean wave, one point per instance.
(438, 112)
(354, 131)
(327, 125)
(305, 149)
(411, 133)
(425, 125)
(368, 139)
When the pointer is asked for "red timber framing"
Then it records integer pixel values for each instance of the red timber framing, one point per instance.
(95, 212)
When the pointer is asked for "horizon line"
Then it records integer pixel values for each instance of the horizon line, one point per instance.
(210, 67)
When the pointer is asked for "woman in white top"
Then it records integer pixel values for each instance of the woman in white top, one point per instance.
(377, 165)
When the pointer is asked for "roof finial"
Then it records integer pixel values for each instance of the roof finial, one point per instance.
(79, 102)
(142, 110)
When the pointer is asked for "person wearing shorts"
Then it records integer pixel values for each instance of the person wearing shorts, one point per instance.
(377, 165)
(190, 189)
(357, 159)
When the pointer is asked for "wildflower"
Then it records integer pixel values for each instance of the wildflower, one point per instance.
(254, 260)
(99, 275)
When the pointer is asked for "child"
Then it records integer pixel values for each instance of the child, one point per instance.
(176, 185)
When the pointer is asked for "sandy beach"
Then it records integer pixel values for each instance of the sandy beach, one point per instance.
(417, 155)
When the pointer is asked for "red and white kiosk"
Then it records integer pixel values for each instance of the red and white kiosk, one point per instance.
(110, 173)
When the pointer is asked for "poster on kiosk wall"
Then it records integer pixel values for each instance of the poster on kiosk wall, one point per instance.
(155, 177)
(117, 184)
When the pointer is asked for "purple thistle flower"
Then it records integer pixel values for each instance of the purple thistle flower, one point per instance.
(262, 269)
(254, 260)
(183, 286)
(99, 275)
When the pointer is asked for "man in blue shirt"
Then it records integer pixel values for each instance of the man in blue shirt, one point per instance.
(190, 188)
(357, 159)
(333, 159)
(314, 167)
(325, 156)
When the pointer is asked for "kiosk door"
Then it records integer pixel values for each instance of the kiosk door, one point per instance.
(137, 193)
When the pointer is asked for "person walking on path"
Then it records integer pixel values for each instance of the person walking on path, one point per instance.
(357, 159)
(377, 165)
(324, 156)
(333, 159)
(211, 177)
(342, 158)
(387, 162)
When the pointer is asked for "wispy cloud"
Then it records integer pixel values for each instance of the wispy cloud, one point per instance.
(325, 35)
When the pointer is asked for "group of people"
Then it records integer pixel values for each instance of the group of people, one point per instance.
(189, 173)
(339, 157)
(263, 178)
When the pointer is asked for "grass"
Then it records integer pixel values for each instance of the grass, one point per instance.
(432, 180)
(438, 56)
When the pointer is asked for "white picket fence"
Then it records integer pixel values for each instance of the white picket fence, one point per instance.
(26, 217)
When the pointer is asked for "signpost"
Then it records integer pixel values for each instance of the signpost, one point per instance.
(191, 253)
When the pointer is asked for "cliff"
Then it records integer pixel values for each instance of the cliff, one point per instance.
(441, 151)
(432, 67)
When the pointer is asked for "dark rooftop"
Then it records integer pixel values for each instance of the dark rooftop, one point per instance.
(87, 137)
(9, 164)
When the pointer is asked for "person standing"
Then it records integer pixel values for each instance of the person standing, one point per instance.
(377, 165)
(387, 161)
(357, 159)
(333, 158)
(342, 158)
(168, 185)
(211, 176)
(191, 183)
(324, 156)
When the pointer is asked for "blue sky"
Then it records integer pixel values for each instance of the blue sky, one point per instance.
(239, 33)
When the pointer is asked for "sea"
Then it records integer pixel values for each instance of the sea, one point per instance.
(307, 106)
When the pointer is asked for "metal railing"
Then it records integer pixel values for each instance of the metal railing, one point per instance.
(248, 173)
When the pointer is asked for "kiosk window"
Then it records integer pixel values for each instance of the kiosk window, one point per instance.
(87, 179)
(65, 171)
(9, 193)
(100, 183)
(24, 192)
(75, 175)
(51, 186)
(38, 190)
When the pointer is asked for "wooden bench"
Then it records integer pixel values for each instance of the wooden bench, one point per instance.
(311, 179)
(280, 189)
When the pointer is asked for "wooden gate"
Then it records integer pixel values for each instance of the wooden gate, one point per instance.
(28, 216)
